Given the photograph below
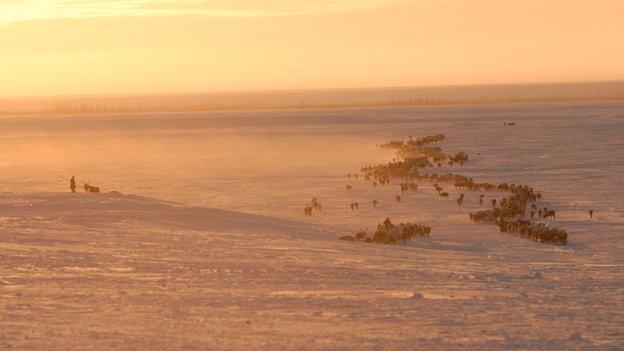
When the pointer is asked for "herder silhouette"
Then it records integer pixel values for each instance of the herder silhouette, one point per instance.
(72, 184)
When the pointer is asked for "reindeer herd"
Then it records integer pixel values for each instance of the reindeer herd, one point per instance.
(520, 211)
(509, 214)
(388, 233)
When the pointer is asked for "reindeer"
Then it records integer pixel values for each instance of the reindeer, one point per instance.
(460, 199)
(90, 188)
(316, 204)
(548, 213)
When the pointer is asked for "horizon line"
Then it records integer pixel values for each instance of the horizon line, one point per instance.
(286, 90)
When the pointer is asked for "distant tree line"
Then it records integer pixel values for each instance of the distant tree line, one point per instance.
(69, 107)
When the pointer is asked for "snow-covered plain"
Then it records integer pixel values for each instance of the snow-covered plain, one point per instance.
(214, 251)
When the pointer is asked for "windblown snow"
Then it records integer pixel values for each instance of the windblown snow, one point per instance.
(228, 261)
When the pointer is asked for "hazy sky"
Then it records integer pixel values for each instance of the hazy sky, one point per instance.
(58, 47)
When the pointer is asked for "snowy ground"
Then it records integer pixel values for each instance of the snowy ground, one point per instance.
(125, 271)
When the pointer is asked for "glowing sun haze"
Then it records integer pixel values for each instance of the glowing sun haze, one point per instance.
(58, 47)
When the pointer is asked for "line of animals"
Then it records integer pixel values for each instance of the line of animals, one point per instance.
(388, 233)
(420, 155)
(408, 187)
(510, 213)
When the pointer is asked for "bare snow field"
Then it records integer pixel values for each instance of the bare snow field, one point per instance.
(214, 252)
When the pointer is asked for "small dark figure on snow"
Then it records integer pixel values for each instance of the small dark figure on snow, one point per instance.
(387, 224)
(72, 184)
(91, 189)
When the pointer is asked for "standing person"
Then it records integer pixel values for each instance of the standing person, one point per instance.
(72, 184)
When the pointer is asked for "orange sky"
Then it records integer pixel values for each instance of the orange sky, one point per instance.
(59, 47)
